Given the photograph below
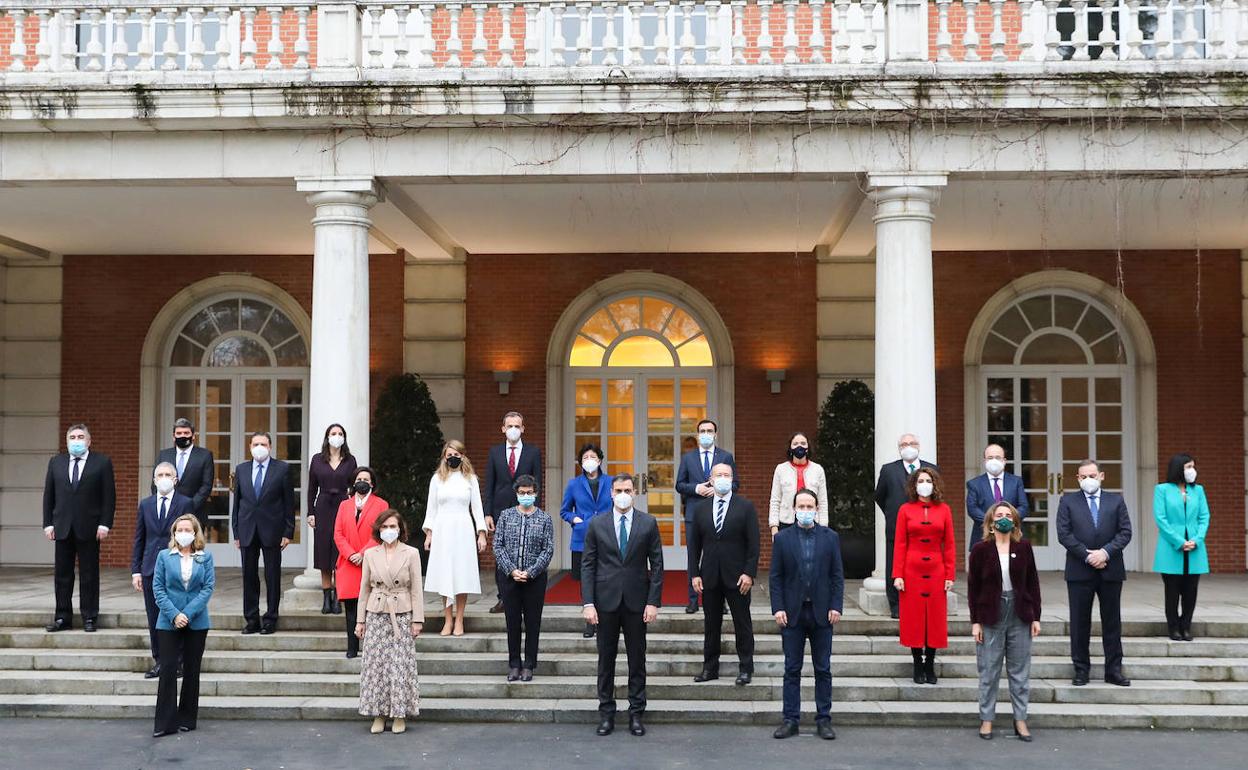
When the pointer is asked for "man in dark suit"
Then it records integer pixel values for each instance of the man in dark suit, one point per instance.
(1094, 528)
(622, 587)
(991, 487)
(507, 461)
(79, 499)
(193, 465)
(890, 494)
(807, 591)
(723, 558)
(263, 522)
(693, 483)
(151, 535)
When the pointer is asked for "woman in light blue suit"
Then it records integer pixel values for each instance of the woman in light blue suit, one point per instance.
(586, 496)
(1182, 515)
(182, 582)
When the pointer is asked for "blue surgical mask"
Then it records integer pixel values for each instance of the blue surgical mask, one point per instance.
(723, 485)
(77, 447)
(706, 440)
(526, 501)
(805, 518)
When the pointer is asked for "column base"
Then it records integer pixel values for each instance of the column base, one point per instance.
(872, 598)
(306, 596)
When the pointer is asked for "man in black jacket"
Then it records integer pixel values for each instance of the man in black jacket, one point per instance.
(193, 465)
(890, 494)
(723, 559)
(622, 587)
(79, 499)
(263, 522)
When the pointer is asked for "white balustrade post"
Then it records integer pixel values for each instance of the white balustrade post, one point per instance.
(996, 38)
(970, 38)
(43, 46)
(17, 48)
(1052, 37)
(662, 35)
(170, 50)
(276, 48)
(789, 41)
(868, 32)
(1241, 29)
(1218, 39)
(375, 13)
(121, 50)
(610, 40)
(905, 368)
(338, 376)
(427, 43)
(818, 41)
(222, 48)
(714, 44)
(1106, 40)
(95, 47)
(738, 31)
(840, 32)
(454, 42)
(532, 55)
(687, 42)
(944, 39)
(69, 39)
(558, 42)
(303, 47)
(1190, 35)
(195, 45)
(764, 32)
(479, 43)
(1080, 38)
(1131, 35)
(1026, 30)
(339, 40)
(402, 45)
(636, 44)
(584, 35)
(506, 43)
(247, 49)
(907, 29)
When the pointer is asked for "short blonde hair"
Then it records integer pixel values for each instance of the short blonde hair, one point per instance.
(200, 541)
(465, 466)
(1016, 534)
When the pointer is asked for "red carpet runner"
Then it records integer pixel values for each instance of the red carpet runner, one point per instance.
(568, 591)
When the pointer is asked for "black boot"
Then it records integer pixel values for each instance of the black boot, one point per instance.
(919, 676)
(1175, 636)
(326, 607)
(929, 666)
(335, 606)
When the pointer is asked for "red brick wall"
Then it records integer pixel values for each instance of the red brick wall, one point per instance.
(771, 323)
(1199, 360)
(111, 303)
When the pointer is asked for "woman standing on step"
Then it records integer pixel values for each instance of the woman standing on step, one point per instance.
(391, 616)
(923, 565)
(454, 524)
(1182, 516)
(586, 496)
(182, 584)
(329, 474)
(1003, 593)
(524, 542)
(353, 535)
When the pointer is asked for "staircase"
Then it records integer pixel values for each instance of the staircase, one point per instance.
(301, 673)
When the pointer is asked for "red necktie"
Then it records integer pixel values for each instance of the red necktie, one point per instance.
(511, 462)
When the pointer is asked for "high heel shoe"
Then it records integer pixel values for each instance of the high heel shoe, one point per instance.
(379, 726)
(987, 735)
(1024, 737)
(919, 676)
(398, 726)
(335, 606)
(325, 602)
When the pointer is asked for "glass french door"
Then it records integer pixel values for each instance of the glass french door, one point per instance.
(644, 421)
(1049, 420)
(226, 408)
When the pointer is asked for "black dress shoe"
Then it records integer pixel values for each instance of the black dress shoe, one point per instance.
(58, 625)
(744, 678)
(152, 672)
(497, 608)
(161, 733)
(513, 674)
(250, 629)
(824, 730)
(635, 726)
(606, 726)
(589, 632)
(1079, 679)
(1175, 636)
(1024, 738)
(526, 675)
(351, 654)
(89, 626)
(1186, 634)
(988, 735)
(1118, 679)
(706, 675)
(692, 608)
(894, 615)
(785, 730)
(265, 630)
(185, 729)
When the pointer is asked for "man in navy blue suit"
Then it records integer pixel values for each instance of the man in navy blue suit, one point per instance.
(263, 522)
(151, 535)
(807, 590)
(992, 486)
(693, 483)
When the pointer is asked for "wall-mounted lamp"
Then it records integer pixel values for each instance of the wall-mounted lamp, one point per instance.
(503, 377)
(775, 377)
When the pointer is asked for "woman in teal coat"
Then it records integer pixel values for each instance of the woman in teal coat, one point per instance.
(1182, 515)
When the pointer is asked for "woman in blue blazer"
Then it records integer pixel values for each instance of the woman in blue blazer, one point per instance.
(182, 582)
(1182, 516)
(586, 496)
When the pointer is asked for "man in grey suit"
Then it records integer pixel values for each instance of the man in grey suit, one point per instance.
(621, 588)
(193, 465)
(890, 493)
(1094, 528)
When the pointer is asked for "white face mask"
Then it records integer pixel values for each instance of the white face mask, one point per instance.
(337, 441)
(259, 453)
(589, 465)
(924, 488)
(909, 453)
(1189, 475)
(513, 434)
(623, 501)
(184, 539)
(1090, 486)
(994, 466)
(164, 485)
(389, 535)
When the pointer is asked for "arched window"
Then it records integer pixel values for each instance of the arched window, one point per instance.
(640, 331)
(239, 331)
(1056, 329)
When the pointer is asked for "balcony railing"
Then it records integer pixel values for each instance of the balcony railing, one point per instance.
(600, 37)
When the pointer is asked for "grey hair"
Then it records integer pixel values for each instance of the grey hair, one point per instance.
(168, 465)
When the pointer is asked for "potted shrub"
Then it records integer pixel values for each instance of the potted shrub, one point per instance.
(845, 447)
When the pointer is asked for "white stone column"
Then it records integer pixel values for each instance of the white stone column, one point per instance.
(338, 389)
(905, 336)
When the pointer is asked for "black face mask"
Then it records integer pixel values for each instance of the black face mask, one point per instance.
(454, 461)
(798, 453)
(182, 442)
(362, 487)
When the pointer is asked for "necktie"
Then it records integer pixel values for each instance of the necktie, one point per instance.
(258, 482)
(181, 463)
(623, 534)
(706, 465)
(1096, 511)
(164, 508)
(719, 516)
(996, 490)
(73, 476)
(911, 467)
(511, 462)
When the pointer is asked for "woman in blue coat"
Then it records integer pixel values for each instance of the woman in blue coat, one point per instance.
(182, 583)
(1182, 515)
(586, 496)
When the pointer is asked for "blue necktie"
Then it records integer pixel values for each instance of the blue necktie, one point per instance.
(181, 463)
(259, 481)
(706, 466)
(73, 477)
(1096, 511)
(623, 535)
(164, 508)
(719, 516)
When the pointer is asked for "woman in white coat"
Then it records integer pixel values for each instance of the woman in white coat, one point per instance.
(454, 518)
(798, 472)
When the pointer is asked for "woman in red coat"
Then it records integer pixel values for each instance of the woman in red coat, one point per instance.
(353, 535)
(923, 565)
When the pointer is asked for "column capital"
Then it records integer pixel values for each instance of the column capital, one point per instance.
(885, 180)
(905, 195)
(351, 190)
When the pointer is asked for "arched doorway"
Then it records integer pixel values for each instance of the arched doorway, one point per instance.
(233, 364)
(640, 359)
(1056, 379)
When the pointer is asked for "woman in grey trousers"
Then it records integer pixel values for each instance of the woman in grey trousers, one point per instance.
(1003, 591)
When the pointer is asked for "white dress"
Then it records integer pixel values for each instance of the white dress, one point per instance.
(454, 515)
